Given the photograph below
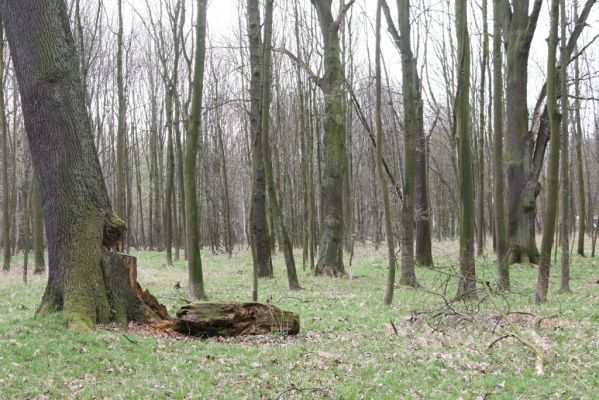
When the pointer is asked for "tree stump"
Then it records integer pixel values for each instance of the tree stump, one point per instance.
(127, 300)
(211, 318)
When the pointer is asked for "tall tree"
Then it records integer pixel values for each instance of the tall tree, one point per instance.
(467, 285)
(521, 189)
(565, 148)
(194, 260)
(379, 163)
(260, 233)
(413, 132)
(121, 147)
(502, 244)
(330, 257)
(553, 167)
(582, 214)
(5, 185)
(481, 133)
(273, 199)
(80, 223)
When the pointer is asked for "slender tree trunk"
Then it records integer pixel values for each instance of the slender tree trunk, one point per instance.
(5, 185)
(121, 185)
(379, 162)
(502, 244)
(170, 175)
(412, 124)
(481, 130)
(553, 167)
(194, 261)
(25, 216)
(582, 214)
(467, 285)
(565, 164)
(262, 249)
(38, 228)
(274, 202)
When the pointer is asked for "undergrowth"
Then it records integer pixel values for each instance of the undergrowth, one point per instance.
(350, 346)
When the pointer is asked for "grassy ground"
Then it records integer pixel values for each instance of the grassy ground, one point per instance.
(347, 348)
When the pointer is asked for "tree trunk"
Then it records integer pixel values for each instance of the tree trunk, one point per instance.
(121, 185)
(565, 164)
(467, 285)
(521, 189)
(330, 257)
(582, 215)
(194, 260)
(262, 249)
(481, 131)
(38, 228)
(5, 188)
(553, 167)
(502, 244)
(274, 202)
(80, 224)
(379, 164)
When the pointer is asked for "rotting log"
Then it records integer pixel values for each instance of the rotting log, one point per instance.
(210, 318)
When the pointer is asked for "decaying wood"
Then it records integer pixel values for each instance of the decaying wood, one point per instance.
(209, 318)
(206, 318)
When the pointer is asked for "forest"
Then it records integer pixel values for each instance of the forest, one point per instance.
(289, 199)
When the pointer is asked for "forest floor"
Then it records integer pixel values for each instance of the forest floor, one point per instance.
(350, 346)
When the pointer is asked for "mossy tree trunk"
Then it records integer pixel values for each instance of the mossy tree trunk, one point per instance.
(330, 257)
(467, 285)
(521, 189)
(501, 238)
(553, 167)
(260, 232)
(194, 260)
(80, 224)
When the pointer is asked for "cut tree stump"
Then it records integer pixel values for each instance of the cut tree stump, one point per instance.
(211, 318)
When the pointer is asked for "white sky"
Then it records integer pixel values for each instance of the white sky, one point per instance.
(223, 20)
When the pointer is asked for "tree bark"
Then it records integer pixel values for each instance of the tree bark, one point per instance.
(194, 260)
(502, 244)
(467, 285)
(521, 189)
(553, 167)
(274, 202)
(5, 185)
(262, 249)
(330, 257)
(565, 164)
(38, 228)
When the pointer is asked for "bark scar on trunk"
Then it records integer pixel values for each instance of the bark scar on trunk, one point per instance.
(113, 231)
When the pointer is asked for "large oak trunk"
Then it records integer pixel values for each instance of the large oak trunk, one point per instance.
(80, 224)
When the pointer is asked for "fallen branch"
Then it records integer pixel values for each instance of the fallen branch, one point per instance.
(517, 335)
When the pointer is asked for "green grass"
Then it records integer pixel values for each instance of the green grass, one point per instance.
(347, 348)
